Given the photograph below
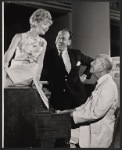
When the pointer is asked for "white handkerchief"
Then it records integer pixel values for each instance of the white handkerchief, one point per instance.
(78, 63)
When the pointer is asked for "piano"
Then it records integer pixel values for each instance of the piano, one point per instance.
(28, 123)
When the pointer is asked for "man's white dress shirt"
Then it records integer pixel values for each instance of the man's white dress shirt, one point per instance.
(66, 60)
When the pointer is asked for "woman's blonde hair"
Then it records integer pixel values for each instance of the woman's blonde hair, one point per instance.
(40, 15)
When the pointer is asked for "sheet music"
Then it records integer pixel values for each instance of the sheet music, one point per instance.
(41, 93)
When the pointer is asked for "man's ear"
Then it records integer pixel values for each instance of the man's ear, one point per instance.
(103, 67)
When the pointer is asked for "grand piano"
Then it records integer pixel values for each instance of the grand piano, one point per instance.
(28, 123)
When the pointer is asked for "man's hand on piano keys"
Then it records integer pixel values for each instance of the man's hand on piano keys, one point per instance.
(66, 111)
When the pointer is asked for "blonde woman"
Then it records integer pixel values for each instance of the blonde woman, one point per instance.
(29, 49)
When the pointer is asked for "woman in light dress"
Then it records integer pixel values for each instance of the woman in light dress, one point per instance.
(29, 49)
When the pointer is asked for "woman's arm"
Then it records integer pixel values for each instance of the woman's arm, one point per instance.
(9, 53)
(40, 61)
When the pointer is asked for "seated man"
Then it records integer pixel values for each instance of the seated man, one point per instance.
(96, 116)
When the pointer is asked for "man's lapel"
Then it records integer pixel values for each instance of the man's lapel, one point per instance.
(59, 63)
(56, 57)
(72, 59)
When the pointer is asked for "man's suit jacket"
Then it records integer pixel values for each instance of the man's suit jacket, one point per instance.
(99, 112)
(67, 91)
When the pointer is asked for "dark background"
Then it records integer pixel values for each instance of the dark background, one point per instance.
(16, 19)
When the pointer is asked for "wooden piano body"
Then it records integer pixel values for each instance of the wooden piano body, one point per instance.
(27, 122)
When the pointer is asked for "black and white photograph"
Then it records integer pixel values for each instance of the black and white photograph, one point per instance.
(60, 74)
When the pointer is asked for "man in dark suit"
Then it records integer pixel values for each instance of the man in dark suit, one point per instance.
(63, 64)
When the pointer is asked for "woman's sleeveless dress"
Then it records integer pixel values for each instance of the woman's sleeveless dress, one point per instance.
(24, 66)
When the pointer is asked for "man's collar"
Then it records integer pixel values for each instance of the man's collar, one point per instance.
(63, 52)
(103, 78)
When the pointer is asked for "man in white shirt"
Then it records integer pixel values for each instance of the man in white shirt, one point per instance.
(96, 116)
